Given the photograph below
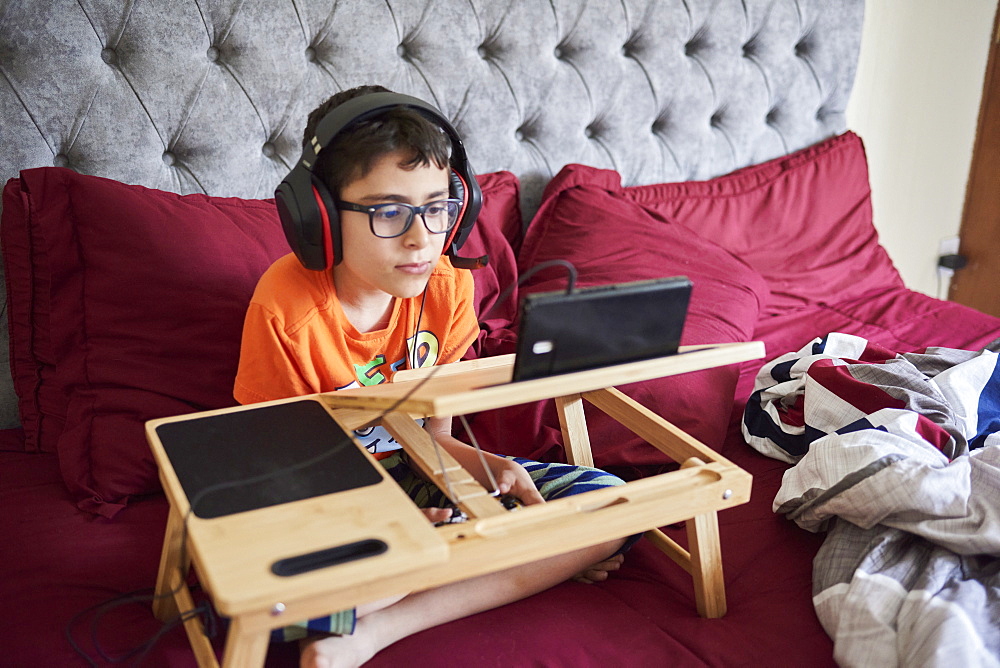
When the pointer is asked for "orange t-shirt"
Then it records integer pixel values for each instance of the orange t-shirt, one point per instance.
(297, 340)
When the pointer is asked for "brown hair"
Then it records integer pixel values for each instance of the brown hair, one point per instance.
(354, 151)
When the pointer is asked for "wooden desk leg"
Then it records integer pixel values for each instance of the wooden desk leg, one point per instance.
(244, 648)
(706, 565)
(204, 653)
(576, 437)
(171, 569)
(173, 595)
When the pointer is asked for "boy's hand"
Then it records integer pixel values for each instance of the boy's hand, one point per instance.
(513, 479)
(435, 515)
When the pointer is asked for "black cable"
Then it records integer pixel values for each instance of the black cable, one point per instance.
(141, 650)
(570, 269)
(209, 623)
(411, 362)
(570, 282)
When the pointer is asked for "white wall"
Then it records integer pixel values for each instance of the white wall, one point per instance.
(915, 104)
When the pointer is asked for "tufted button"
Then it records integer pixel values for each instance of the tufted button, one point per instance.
(109, 55)
(169, 159)
(268, 149)
(659, 126)
(401, 51)
(750, 49)
(311, 54)
(61, 160)
(483, 51)
(519, 135)
(559, 53)
(591, 131)
(802, 48)
(772, 117)
(630, 49)
(716, 119)
(691, 48)
(212, 54)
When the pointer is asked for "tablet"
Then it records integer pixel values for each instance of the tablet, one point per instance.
(589, 328)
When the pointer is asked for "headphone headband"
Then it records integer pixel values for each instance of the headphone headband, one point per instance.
(308, 216)
(362, 108)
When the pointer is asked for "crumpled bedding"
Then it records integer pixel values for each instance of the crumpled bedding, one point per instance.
(897, 457)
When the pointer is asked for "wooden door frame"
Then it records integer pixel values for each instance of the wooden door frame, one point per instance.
(978, 283)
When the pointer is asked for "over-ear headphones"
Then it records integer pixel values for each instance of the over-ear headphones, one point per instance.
(306, 207)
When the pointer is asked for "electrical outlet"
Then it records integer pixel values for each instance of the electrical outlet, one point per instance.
(948, 246)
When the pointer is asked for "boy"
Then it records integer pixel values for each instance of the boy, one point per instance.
(393, 300)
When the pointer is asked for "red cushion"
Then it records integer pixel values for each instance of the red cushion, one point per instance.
(609, 239)
(497, 234)
(501, 208)
(804, 221)
(40, 407)
(127, 304)
(140, 299)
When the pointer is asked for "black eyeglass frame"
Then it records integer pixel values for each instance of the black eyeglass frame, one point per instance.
(414, 212)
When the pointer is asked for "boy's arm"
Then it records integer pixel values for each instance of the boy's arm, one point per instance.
(511, 477)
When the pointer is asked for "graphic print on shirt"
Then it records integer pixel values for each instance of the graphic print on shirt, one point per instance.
(423, 350)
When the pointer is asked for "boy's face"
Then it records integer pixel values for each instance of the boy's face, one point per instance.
(399, 266)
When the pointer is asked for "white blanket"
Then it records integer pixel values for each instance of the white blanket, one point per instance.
(897, 457)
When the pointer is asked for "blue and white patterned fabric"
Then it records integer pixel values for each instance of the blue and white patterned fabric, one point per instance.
(897, 457)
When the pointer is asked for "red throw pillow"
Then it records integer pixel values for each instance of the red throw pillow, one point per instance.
(127, 304)
(139, 299)
(611, 239)
(31, 360)
(804, 221)
(497, 234)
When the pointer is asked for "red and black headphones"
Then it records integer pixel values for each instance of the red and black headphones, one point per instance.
(308, 214)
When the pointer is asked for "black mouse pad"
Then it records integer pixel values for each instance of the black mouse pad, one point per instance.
(258, 457)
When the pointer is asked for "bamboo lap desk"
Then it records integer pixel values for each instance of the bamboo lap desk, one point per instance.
(233, 554)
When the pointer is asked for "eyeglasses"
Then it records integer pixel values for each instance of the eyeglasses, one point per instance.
(393, 219)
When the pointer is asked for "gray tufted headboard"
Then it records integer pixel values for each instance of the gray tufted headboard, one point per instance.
(211, 95)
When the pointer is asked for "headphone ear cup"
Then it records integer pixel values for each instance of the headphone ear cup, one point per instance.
(301, 220)
(456, 190)
(308, 219)
(330, 224)
(472, 201)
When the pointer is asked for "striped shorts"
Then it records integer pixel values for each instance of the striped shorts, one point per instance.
(554, 481)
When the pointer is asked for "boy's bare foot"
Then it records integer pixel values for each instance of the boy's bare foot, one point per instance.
(599, 572)
(335, 652)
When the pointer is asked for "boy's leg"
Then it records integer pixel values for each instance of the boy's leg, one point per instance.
(338, 623)
(344, 621)
(423, 610)
(556, 481)
(386, 624)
